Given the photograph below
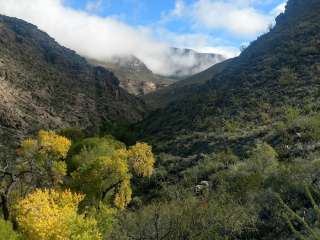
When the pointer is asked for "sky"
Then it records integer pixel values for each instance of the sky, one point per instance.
(147, 28)
(199, 24)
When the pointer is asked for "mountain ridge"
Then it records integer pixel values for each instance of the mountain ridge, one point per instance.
(139, 80)
(44, 85)
(246, 94)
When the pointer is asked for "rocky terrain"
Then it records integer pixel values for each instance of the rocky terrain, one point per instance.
(44, 85)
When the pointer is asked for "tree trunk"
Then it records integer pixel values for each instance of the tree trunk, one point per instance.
(5, 208)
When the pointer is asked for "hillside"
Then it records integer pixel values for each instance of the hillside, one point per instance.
(180, 89)
(242, 100)
(134, 75)
(44, 85)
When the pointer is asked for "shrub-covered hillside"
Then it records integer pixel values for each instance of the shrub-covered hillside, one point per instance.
(44, 85)
(273, 84)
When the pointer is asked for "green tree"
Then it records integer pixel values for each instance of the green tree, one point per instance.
(103, 169)
(263, 158)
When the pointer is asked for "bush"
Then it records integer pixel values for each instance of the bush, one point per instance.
(74, 134)
(6, 231)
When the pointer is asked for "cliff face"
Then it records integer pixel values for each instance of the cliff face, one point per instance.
(44, 85)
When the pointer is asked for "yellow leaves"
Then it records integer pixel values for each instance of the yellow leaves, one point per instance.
(44, 156)
(49, 141)
(123, 195)
(84, 229)
(28, 144)
(59, 170)
(52, 214)
(141, 158)
(106, 170)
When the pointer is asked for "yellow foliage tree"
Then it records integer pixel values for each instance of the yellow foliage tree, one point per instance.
(52, 215)
(45, 156)
(106, 170)
(141, 159)
(40, 163)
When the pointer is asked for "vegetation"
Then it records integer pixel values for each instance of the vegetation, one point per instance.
(52, 214)
(7, 232)
(235, 155)
(35, 195)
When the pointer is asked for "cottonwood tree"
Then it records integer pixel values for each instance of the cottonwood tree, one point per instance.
(53, 214)
(39, 163)
(104, 168)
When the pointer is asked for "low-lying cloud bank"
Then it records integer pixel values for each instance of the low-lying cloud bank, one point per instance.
(97, 37)
(89, 35)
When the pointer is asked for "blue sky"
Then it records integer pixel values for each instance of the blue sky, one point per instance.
(103, 29)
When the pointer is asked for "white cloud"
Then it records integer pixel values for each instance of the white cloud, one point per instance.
(92, 36)
(238, 19)
(227, 51)
(103, 38)
(199, 42)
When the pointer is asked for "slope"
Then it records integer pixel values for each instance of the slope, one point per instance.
(44, 85)
(266, 90)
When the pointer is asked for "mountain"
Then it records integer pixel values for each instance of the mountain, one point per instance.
(188, 62)
(46, 86)
(271, 89)
(133, 74)
(139, 80)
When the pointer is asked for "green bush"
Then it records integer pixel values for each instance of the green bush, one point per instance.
(6, 231)
(74, 134)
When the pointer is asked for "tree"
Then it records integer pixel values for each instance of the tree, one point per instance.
(141, 159)
(103, 169)
(43, 158)
(263, 158)
(39, 163)
(52, 215)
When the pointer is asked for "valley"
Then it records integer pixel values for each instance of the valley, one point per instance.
(108, 149)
